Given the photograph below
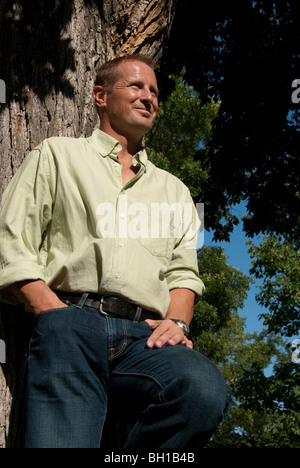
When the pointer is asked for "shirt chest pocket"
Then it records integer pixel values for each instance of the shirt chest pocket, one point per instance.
(159, 238)
(158, 247)
(155, 231)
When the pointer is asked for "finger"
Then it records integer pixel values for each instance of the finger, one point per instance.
(178, 340)
(187, 343)
(165, 333)
(158, 338)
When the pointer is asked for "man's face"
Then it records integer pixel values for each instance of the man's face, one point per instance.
(132, 104)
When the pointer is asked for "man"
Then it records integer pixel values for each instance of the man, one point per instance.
(93, 245)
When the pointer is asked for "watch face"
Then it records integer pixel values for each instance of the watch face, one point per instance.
(182, 325)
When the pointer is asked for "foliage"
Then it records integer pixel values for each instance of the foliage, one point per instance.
(269, 407)
(246, 56)
(263, 411)
(226, 289)
(277, 262)
(183, 124)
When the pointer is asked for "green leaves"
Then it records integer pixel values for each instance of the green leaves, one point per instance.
(264, 410)
(182, 130)
(277, 263)
(245, 55)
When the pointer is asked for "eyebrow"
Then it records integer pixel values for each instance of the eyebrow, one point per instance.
(141, 83)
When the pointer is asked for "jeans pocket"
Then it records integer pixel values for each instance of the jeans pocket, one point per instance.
(147, 325)
(48, 311)
(49, 314)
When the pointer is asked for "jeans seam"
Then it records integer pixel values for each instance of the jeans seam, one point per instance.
(137, 374)
(139, 427)
(102, 429)
(109, 338)
(120, 351)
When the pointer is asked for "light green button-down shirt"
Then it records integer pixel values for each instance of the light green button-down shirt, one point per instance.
(67, 219)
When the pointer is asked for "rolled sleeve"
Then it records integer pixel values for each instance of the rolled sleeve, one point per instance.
(15, 272)
(24, 213)
(183, 271)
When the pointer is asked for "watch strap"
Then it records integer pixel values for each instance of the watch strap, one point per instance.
(183, 325)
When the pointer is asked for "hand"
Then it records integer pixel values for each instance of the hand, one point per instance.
(48, 306)
(36, 296)
(166, 332)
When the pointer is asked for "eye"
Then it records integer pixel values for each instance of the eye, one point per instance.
(135, 85)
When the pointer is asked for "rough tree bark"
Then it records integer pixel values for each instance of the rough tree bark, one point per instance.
(50, 50)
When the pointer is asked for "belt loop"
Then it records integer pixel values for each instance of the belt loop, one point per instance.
(138, 314)
(82, 300)
(101, 306)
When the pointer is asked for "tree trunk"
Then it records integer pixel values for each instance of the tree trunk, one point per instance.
(50, 51)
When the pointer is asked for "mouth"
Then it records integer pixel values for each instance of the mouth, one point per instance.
(143, 111)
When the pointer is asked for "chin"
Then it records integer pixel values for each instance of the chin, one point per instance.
(146, 123)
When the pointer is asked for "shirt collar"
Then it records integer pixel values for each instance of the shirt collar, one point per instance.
(108, 145)
(105, 143)
(141, 158)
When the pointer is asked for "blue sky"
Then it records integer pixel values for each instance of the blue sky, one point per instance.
(238, 256)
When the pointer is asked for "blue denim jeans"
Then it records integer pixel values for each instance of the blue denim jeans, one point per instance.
(79, 358)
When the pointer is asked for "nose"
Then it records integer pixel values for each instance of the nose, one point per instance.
(147, 95)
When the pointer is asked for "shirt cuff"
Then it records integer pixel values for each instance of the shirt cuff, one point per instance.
(15, 272)
(195, 285)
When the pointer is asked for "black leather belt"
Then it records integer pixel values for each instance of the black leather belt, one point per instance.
(110, 305)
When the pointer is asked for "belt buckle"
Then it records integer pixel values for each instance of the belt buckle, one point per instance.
(101, 306)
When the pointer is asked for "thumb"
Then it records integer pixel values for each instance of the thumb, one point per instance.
(153, 323)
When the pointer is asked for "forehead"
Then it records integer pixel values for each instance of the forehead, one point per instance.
(132, 70)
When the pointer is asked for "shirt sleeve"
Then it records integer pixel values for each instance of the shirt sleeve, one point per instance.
(25, 212)
(183, 271)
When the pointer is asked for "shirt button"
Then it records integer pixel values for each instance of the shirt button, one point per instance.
(117, 276)
(121, 244)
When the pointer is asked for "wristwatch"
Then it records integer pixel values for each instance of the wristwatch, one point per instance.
(184, 326)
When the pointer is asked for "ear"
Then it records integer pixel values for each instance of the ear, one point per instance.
(100, 96)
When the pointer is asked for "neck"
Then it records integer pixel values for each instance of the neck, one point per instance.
(129, 147)
(130, 144)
